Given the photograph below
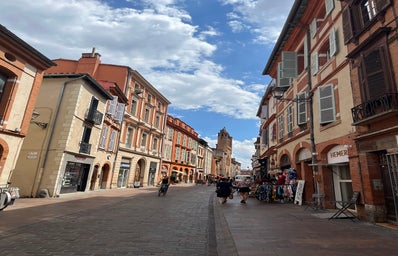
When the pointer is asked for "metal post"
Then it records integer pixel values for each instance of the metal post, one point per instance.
(311, 116)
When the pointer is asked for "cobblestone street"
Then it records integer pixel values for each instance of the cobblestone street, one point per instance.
(177, 224)
(189, 220)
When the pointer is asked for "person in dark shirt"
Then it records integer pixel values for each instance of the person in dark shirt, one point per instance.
(224, 189)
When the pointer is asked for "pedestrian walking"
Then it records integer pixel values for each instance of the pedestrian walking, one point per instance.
(223, 190)
(244, 189)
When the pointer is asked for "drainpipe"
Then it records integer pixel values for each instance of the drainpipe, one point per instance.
(51, 129)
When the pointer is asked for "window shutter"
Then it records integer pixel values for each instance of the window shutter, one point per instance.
(289, 64)
(313, 27)
(381, 5)
(329, 4)
(103, 136)
(333, 42)
(289, 119)
(314, 63)
(280, 127)
(112, 106)
(301, 109)
(374, 74)
(326, 104)
(348, 29)
(282, 82)
(119, 113)
(112, 141)
(264, 111)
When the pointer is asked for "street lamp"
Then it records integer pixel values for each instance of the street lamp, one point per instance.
(35, 115)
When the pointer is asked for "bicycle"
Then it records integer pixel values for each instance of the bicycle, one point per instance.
(163, 189)
(8, 195)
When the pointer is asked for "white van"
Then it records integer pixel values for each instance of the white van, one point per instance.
(242, 177)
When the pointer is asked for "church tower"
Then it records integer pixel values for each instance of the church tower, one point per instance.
(223, 153)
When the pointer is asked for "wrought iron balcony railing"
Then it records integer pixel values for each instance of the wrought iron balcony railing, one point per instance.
(372, 110)
(94, 116)
(85, 147)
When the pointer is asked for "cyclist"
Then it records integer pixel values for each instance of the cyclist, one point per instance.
(164, 184)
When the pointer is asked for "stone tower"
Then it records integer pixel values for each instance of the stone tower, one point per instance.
(223, 153)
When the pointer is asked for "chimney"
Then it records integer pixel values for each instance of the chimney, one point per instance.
(89, 62)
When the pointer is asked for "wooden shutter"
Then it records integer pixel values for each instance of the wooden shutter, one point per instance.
(381, 5)
(333, 45)
(112, 106)
(119, 112)
(112, 141)
(374, 73)
(282, 82)
(348, 29)
(326, 104)
(314, 63)
(289, 64)
(103, 136)
(313, 27)
(301, 109)
(329, 5)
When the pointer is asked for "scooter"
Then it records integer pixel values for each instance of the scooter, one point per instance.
(8, 195)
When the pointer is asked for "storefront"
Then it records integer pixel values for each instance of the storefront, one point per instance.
(339, 164)
(123, 173)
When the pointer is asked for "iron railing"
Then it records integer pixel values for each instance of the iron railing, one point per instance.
(366, 110)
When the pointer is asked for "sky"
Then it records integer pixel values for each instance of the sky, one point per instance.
(205, 56)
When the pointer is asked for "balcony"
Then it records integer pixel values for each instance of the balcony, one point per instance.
(94, 116)
(85, 148)
(375, 110)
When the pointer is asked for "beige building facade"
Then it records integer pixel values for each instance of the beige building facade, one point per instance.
(59, 155)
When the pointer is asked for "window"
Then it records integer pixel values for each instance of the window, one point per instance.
(157, 121)
(178, 138)
(177, 156)
(290, 121)
(119, 112)
(149, 98)
(112, 106)
(143, 140)
(282, 82)
(133, 108)
(112, 140)
(359, 15)
(375, 73)
(146, 117)
(103, 136)
(326, 104)
(129, 136)
(155, 144)
(280, 127)
(301, 108)
(3, 82)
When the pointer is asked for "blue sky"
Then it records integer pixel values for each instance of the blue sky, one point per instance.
(205, 56)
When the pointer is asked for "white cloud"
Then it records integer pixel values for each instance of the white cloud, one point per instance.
(259, 16)
(157, 41)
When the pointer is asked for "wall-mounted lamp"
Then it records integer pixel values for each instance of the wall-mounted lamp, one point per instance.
(35, 115)
(278, 92)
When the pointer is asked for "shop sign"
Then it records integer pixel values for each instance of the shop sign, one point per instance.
(338, 154)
